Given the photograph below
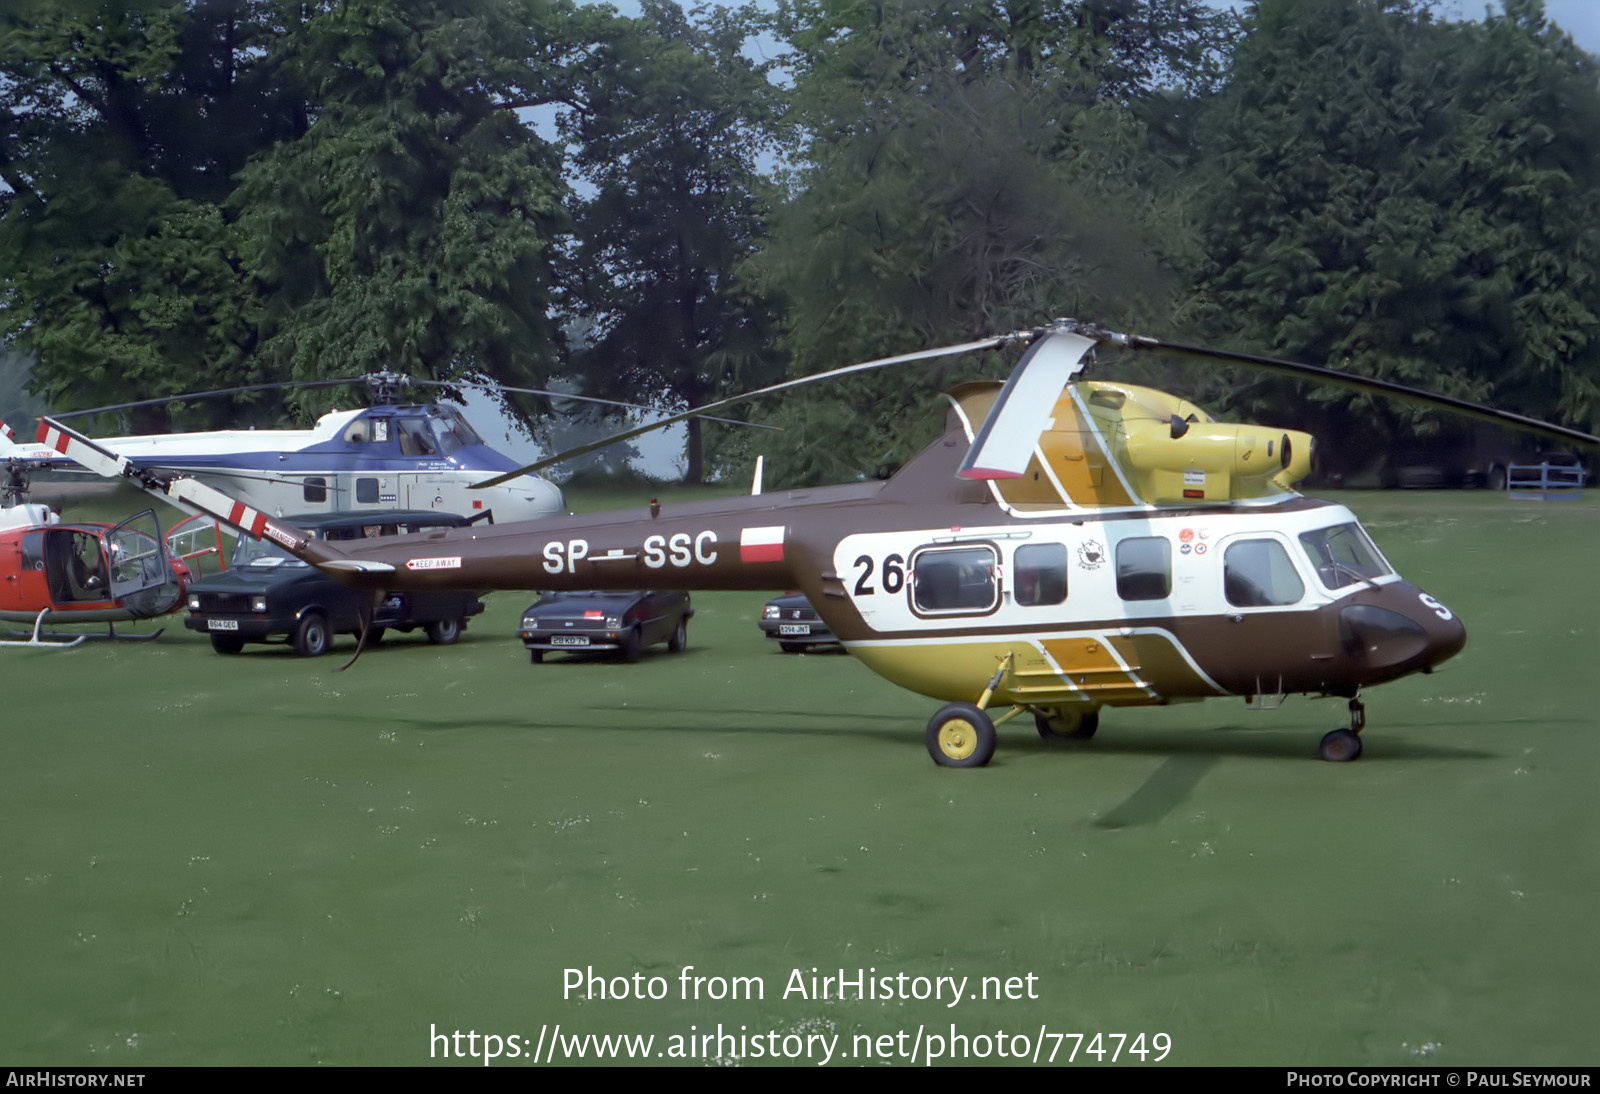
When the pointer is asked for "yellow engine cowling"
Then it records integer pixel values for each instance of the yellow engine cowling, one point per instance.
(1212, 461)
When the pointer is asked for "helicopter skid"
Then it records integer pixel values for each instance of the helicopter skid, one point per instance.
(37, 638)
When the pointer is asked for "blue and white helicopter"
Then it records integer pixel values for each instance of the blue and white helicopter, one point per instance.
(391, 455)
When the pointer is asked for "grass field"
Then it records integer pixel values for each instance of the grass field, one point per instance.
(258, 860)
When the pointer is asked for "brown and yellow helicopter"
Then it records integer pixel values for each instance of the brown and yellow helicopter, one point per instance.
(1067, 545)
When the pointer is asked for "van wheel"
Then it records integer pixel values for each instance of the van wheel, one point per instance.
(444, 632)
(226, 643)
(311, 638)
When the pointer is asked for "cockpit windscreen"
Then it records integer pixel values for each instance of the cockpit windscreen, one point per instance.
(1343, 555)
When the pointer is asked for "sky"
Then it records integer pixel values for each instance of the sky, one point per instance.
(1579, 18)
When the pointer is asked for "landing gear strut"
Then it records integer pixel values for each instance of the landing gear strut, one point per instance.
(962, 734)
(1344, 745)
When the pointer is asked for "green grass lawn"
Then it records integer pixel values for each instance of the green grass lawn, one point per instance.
(259, 860)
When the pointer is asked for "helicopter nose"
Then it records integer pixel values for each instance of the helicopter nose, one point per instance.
(1403, 630)
(528, 498)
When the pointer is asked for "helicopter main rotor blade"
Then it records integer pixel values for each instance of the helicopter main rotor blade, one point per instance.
(628, 434)
(580, 398)
(1005, 442)
(1352, 382)
(206, 395)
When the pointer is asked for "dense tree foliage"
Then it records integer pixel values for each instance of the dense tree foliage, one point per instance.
(204, 192)
(119, 134)
(410, 227)
(1413, 199)
(963, 172)
(668, 146)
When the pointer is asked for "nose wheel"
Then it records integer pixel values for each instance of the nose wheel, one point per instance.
(1343, 745)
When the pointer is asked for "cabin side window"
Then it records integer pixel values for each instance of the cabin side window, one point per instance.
(953, 579)
(1041, 574)
(1257, 573)
(367, 491)
(316, 489)
(1144, 568)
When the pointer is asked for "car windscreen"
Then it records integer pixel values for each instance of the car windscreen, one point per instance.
(262, 554)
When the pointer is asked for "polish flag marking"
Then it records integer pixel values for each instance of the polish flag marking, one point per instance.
(761, 544)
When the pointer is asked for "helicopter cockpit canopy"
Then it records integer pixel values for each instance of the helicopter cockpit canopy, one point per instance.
(433, 431)
(1344, 555)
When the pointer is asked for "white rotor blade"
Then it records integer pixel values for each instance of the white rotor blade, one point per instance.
(1005, 442)
(189, 495)
(80, 449)
(628, 434)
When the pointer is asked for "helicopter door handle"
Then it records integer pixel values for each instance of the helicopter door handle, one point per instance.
(1236, 618)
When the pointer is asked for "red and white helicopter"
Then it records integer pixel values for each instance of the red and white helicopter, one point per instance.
(58, 571)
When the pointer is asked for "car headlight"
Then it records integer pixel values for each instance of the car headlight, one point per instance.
(258, 603)
(613, 623)
(194, 602)
(771, 611)
(529, 623)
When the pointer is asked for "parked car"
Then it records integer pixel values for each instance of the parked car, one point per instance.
(622, 621)
(267, 595)
(793, 623)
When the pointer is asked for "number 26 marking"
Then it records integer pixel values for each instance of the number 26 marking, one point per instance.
(894, 575)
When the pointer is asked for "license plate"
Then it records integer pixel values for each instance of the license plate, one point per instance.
(222, 625)
(794, 628)
(569, 640)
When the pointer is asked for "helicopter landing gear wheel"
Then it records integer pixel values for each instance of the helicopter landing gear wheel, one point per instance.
(311, 637)
(1341, 746)
(1067, 725)
(960, 735)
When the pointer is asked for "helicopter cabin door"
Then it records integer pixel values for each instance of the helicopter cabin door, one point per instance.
(427, 485)
(430, 490)
(141, 573)
(1266, 615)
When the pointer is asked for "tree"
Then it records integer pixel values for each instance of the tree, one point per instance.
(410, 227)
(965, 172)
(119, 131)
(1408, 198)
(677, 119)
